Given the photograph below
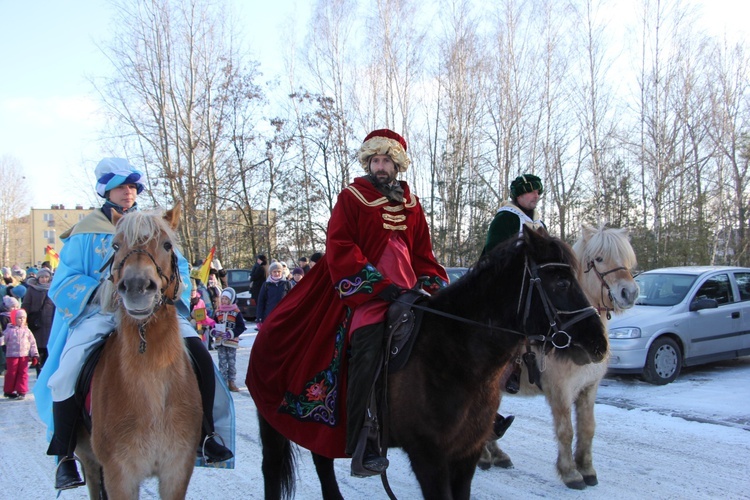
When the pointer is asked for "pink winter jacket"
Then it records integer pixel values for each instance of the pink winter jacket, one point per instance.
(19, 342)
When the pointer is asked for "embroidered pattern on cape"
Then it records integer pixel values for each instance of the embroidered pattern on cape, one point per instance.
(360, 282)
(318, 401)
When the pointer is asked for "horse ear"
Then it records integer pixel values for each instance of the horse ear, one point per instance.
(587, 231)
(173, 215)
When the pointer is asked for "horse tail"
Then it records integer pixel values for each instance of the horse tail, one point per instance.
(279, 462)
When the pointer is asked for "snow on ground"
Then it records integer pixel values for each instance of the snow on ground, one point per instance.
(686, 440)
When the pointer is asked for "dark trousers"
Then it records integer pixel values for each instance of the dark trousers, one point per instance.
(364, 362)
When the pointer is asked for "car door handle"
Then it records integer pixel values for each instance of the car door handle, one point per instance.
(735, 315)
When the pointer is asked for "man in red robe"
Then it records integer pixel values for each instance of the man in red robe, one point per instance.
(378, 244)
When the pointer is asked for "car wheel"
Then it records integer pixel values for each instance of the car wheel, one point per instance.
(663, 362)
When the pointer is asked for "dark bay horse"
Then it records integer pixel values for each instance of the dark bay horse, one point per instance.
(606, 258)
(145, 403)
(442, 403)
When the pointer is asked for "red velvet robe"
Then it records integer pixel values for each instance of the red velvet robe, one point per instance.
(298, 366)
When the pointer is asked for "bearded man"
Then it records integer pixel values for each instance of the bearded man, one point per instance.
(378, 244)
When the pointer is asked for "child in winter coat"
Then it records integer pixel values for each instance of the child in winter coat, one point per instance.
(20, 348)
(273, 290)
(229, 325)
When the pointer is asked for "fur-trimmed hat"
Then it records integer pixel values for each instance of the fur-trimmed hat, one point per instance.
(384, 142)
(526, 183)
(230, 293)
(113, 172)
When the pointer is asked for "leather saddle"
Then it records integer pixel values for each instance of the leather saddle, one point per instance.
(402, 327)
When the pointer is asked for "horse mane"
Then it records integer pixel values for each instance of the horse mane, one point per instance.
(137, 229)
(607, 242)
(503, 260)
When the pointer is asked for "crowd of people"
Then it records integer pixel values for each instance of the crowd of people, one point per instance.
(378, 240)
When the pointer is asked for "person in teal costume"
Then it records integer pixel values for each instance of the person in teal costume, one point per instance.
(79, 325)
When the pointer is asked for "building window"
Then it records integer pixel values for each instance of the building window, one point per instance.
(49, 217)
(50, 237)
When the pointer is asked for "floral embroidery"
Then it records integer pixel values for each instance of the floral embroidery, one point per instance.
(318, 401)
(361, 282)
(432, 284)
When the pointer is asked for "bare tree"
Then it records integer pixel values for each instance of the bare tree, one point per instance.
(14, 201)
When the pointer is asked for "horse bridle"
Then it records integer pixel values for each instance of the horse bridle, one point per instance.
(605, 286)
(553, 314)
(168, 281)
(557, 326)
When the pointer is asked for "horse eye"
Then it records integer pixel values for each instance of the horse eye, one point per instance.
(600, 259)
(563, 283)
(167, 245)
(116, 246)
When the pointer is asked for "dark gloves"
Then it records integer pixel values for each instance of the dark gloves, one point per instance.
(391, 293)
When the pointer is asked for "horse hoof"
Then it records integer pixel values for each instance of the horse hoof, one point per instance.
(505, 464)
(484, 465)
(576, 485)
(590, 480)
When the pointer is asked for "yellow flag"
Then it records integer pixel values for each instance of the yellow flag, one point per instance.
(202, 273)
(52, 257)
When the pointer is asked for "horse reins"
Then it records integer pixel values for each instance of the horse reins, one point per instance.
(168, 281)
(551, 312)
(605, 286)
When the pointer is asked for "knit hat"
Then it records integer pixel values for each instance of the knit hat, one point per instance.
(19, 274)
(384, 142)
(316, 257)
(18, 314)
(18, 291)
(32, 270)
(113, 172)
(298, 270)
(229, 293)
(10, 302)
(6, 271)
(43, 272)
(526, 183)
(274, 266)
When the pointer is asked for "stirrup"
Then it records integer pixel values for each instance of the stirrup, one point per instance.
(220, 440)
(82, 474)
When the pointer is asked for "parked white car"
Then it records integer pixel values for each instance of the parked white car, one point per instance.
(684, 316)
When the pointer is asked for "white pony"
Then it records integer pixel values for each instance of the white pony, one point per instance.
(606, 258)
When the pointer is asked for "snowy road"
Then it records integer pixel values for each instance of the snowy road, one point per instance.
(689, 439)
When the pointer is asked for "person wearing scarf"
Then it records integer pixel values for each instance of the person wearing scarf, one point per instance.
(41, 311)
(79, 324)
(229, 326)
(271, 292)
(377, 245)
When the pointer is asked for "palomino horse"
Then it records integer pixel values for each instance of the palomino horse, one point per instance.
(145, 403)
(606, 257)
(442, 403)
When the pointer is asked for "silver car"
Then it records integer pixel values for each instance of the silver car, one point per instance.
(684, 316)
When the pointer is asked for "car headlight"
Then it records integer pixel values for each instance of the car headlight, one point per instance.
(630, 332)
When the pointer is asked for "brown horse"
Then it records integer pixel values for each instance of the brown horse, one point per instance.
(606, 258)
(442, 403)
(145, 404)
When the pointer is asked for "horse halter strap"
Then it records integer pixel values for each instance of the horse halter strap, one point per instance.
(167, 279)
(605, 286)
(560, 338)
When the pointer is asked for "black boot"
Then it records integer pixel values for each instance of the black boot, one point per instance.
(213, 451)
(362, 423)
(66, 475)
(211, 446)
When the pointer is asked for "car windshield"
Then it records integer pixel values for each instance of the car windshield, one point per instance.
(659, 289)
